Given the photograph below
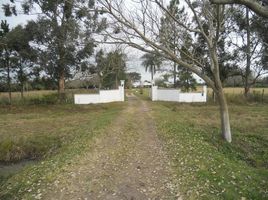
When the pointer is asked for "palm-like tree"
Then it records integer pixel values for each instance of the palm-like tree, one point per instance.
(152, 62)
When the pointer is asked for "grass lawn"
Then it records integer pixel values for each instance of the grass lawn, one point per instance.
(208, 167)
(56, 134)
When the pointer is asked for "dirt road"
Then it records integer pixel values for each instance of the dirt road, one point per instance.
(127, 162)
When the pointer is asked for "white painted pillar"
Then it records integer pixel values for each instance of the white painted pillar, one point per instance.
(205, 93)
(122, 90)
(154, 93)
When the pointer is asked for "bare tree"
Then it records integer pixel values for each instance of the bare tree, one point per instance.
(259, 7)
(137, 23)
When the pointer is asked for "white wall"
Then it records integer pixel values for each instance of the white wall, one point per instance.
(177, 95)
(107, 96)
(104, 96)
(86, 98)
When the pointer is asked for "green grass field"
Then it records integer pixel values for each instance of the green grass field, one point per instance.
(55, 134)
(208, 167)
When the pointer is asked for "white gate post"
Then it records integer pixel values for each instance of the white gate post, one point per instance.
(122, 90)
(205, 92)
(154, 93)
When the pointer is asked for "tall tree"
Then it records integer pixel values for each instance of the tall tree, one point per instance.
(152, 62)
(116, 66)
(5, 55)
(186, 80)
(65, 32)
(132, 25)
(170, 32)
(134, 76)
(111, 68)
(24, 55)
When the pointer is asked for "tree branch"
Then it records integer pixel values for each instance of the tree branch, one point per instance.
(251, 4)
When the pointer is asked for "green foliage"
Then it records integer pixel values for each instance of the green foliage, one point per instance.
(111, 68)
(152, 62)
(134, 76)
(65, 46)
(186, 80)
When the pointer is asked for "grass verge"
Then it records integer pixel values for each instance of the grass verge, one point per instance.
(207, 167)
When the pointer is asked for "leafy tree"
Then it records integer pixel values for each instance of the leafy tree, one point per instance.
(24, 55)
(133, 77)
(5, 56)
(152, 62)
(110, 68)
(64, 32)
(186, 80)
(170, 33)
(116, 66)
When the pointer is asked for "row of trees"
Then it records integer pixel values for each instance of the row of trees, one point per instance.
(58, 43)
(57, 46)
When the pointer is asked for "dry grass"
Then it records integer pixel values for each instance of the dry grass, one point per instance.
(42, 96)
(232, 90)
(29, 132)
(40, 93)
(32, 94)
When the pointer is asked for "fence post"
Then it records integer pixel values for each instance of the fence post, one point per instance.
(205, 92)
(122, 90)
(154, 93)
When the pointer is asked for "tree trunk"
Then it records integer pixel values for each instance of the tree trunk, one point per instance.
(225, 121)
(21, 79)
(224, 113)
(61, 88)
(9, 83)
(152, 75)
(213, 96)
(174, 74)
(247, 75)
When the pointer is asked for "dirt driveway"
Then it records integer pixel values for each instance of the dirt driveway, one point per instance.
(127, 162)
